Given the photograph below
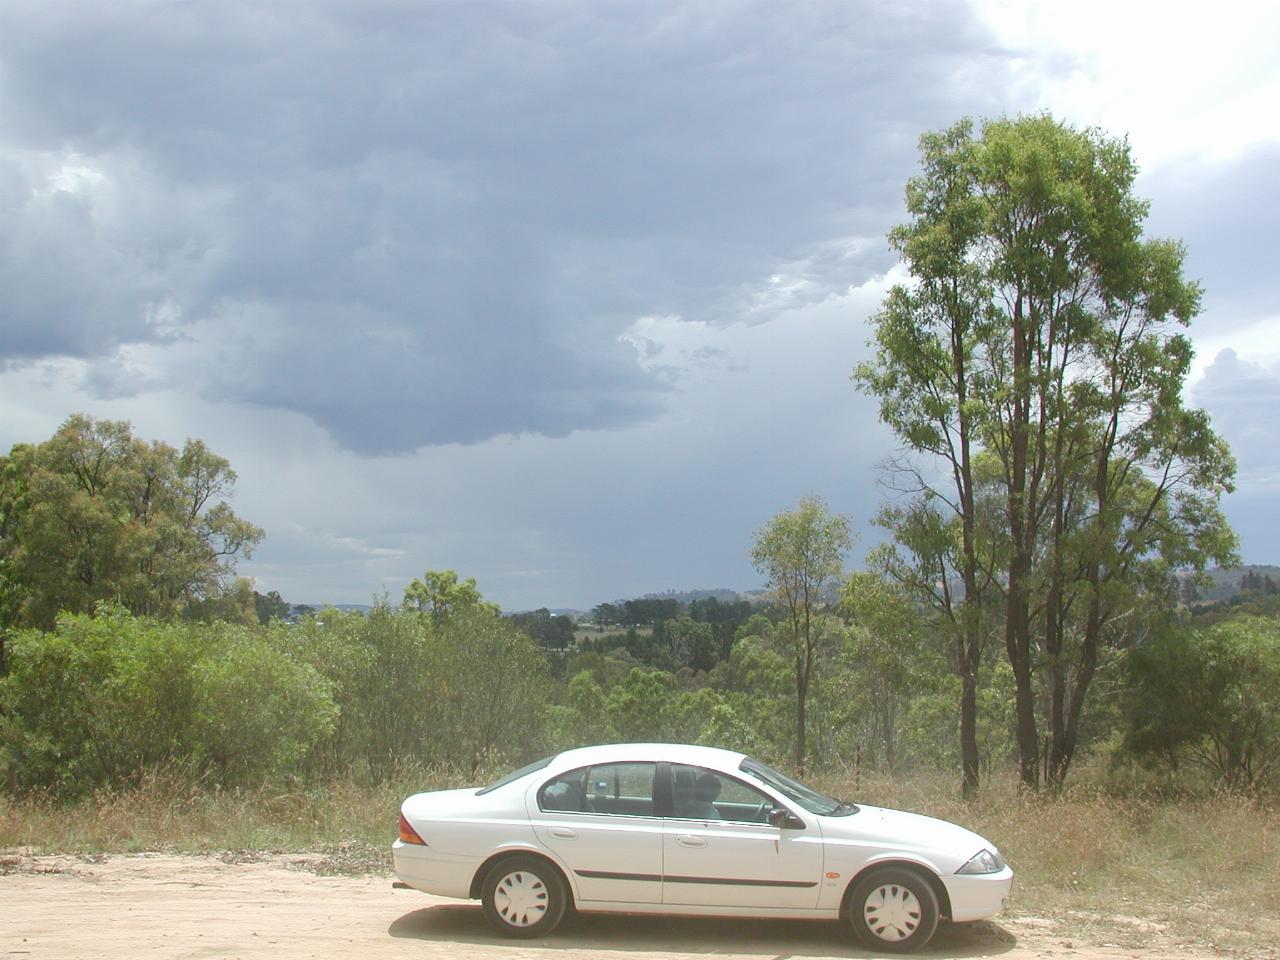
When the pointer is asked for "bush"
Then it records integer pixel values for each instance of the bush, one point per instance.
(102, 698)
(1210, 698)
(257, 712)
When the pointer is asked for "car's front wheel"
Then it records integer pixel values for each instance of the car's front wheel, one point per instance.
(893, 909)
(523, 897)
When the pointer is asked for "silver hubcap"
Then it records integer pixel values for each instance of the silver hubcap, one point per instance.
(521, 898)
(892, 912)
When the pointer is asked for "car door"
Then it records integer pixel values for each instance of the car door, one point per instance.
(720, 850)
(600, 820)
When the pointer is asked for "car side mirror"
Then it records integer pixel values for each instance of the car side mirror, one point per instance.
(784, 819)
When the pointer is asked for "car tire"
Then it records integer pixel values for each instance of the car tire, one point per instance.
(893, 909)
(523, 897)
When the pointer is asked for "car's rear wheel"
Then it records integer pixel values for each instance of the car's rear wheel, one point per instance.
(523, 897)
(893, 909)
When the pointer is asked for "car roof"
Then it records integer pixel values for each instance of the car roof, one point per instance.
(653, 752)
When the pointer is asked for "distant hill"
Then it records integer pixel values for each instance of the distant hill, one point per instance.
(1226, 582)
(298, 609)
(723, 594)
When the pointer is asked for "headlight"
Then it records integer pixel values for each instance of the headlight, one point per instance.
(985, 861)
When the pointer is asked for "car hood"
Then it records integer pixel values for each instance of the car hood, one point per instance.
(948, 845)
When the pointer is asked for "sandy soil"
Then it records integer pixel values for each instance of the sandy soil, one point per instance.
(193, 907)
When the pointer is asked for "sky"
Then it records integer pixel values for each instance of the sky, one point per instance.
(565, 295)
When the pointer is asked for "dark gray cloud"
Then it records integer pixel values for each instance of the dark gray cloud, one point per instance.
(1226, 213)
(1242, 398)
(423, 224)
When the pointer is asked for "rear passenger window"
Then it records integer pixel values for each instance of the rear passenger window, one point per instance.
(622, 789)
(565, 792)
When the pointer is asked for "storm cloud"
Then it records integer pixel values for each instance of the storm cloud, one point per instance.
(562, 295)
(431, 223)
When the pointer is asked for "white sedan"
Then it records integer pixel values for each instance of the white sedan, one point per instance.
(694, 831)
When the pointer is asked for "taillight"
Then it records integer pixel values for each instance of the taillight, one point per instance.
(408, 834)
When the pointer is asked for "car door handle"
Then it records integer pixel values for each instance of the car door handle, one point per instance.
(564, 833)
(687, 841)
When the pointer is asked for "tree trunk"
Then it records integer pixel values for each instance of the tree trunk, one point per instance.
(1017, 627)
(802, 691)
(888, 722)
(970, 645)
(969, 733)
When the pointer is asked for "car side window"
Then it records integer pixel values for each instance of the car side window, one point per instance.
(565, 792)
(701, 794)
(621, 789)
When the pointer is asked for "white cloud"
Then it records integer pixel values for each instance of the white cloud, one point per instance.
(1181, 78)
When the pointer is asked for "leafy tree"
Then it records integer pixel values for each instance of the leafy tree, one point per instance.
(638, 705)
(759, 686)
(606, 615)
(257, 713)
(649, 611)
(95, 514)
(235, 604)
(547, 630)
(494, 688)
(943, 561)
(385, 677)
(1211, 698)
(801, 552)
(692, 644)
(467, 691)
(441, 594)
(889, 652)
(724, 619)
(270, 606)
(1041, 328)
(583, 718)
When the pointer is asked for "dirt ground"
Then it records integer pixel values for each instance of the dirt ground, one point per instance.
(145, 906)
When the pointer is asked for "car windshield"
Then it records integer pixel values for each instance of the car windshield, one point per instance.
(515, 775)
(794, 790)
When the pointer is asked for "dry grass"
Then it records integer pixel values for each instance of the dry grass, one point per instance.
(1200, 870)
(352, 823)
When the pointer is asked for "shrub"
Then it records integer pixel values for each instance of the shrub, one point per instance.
(101, 698)
(1211, 698)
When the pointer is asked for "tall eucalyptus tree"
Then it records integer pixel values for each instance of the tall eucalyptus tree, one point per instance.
(1040, 332)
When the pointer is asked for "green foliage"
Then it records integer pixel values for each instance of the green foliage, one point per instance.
(494, 681)
(637, 706)
(884, 661)
(801, 552)
(1209, 697)
(100, 699)
(467, 691)
(381, 670)
(441, 594)
(545, 628)
(691, 643)
(256, 712)
(269, 606)
(1038, 356)
(94, 514)
(583, 718)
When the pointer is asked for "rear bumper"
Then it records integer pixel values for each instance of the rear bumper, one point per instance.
(978, 897)
(443, 874)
